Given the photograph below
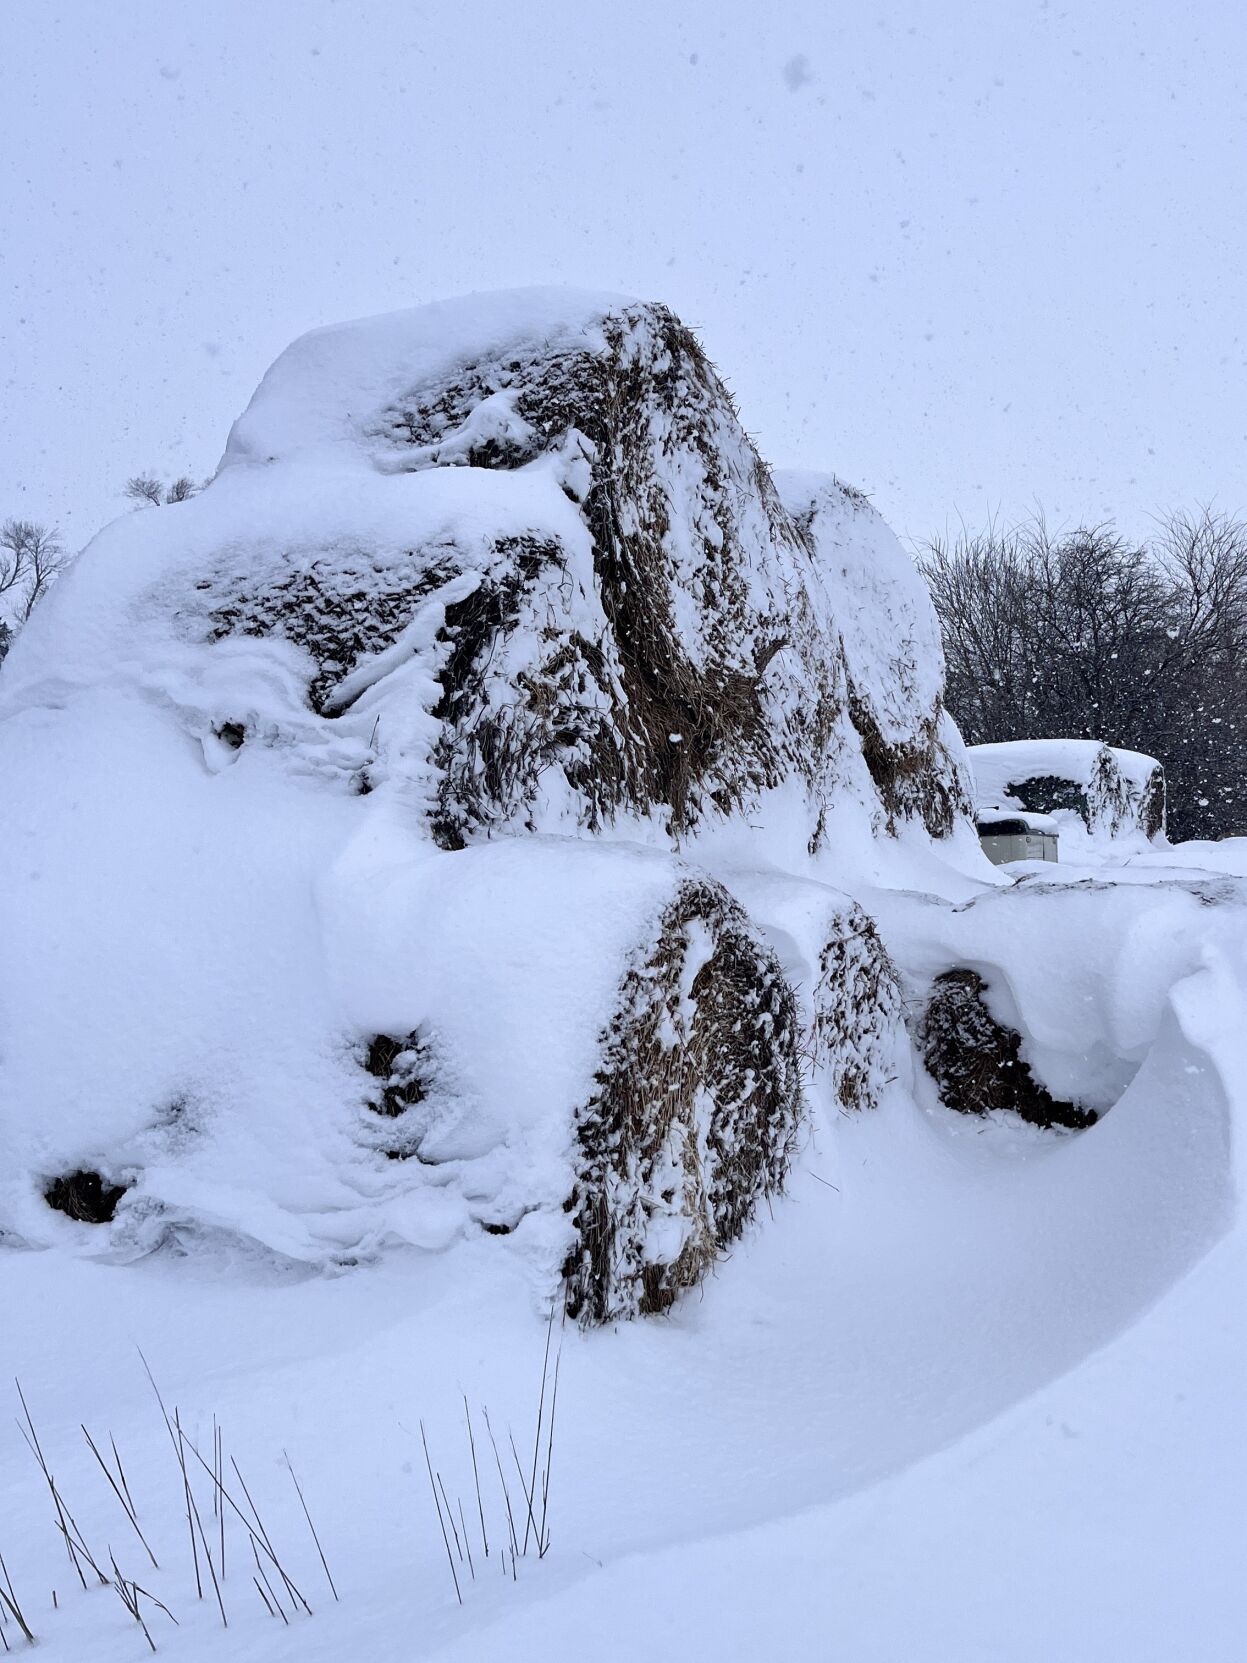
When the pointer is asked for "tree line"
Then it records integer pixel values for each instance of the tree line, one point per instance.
(30, 557)
(1088, 633)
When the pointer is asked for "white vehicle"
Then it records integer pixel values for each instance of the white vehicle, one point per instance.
(1009, 834)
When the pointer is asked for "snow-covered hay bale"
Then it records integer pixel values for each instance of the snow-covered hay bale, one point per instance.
(1115, 793)
(856, 1011)
(975, 1060)
(695, 1113)
(894, 660)
(617, 622)
(343, 770)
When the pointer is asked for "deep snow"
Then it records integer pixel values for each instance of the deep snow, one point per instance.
(804, 1457)
(966, 1390)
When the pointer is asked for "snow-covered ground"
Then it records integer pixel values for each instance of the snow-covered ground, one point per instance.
(966, 1389)
(973, 1392)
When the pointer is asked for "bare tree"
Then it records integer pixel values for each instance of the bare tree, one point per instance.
(1088, 633)
(30, 557)
(145, 488)
(150, 489)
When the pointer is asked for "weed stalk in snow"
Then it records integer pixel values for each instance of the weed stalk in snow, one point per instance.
(476, 1477)
(320, 1550)
(450, 1558)
(66, 1523)
(121, 1491)
(9, 1602)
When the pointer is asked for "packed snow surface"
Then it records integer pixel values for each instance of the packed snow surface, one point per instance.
(966, 1389)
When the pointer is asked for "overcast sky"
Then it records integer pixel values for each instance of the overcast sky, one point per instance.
(966, 255)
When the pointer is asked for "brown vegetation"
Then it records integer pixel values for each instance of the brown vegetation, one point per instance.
(695, 1115)
(975, 1060)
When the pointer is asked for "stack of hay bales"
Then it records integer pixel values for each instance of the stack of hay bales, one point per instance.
(499, 571)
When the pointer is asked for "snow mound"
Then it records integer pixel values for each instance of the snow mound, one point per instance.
(1112, 792)
(371, 778)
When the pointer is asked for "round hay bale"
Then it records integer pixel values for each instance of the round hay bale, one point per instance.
(857, 1012)
(695, 1115)
(975, 1060)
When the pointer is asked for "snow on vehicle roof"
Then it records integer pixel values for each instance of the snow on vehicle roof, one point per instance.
(997, 817)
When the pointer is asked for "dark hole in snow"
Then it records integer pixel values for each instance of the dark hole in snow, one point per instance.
(396, 1063)
(382, 1050)
(232, 734)
(85, 1196)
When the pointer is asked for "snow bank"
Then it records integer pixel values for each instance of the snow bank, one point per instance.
(927, 1277)
(417, 859)
(232, 947)
(1082, 970)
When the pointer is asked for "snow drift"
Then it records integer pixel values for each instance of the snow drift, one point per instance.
(376, 780)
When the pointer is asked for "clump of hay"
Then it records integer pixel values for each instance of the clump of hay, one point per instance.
(695, 1114)
(337, 609)
(84, 1195)
(501, 730)
(857, 1011)
(397, 1065)
(975, 1060)
(1153, 803)
(400, 1080)
(915, 778)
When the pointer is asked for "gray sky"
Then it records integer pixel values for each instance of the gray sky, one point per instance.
(967, 255)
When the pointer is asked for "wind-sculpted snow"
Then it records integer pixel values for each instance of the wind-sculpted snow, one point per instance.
(1073, 975)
